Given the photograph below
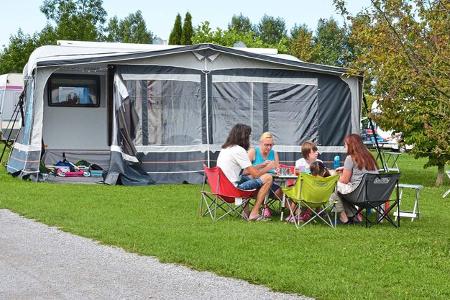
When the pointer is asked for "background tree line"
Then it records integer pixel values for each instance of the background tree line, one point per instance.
(401, 47)
(403, 50)
(86, 20)
(82, 20)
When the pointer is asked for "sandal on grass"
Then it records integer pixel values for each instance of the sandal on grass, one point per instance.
(339, 222)
(294, 219)
(257, 218)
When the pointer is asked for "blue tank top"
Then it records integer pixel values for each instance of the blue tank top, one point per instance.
(259, 159)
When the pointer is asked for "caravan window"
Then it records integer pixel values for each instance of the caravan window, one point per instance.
(74, 90)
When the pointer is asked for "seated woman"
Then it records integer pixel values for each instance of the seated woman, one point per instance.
(233, 160)
(261, 156)
(358, 162)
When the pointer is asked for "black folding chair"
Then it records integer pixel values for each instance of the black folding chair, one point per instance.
(373, 193)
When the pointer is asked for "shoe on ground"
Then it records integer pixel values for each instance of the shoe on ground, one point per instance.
(294, 219)
(305, 216)
(339, 222)
(267, 213)
(258, 218)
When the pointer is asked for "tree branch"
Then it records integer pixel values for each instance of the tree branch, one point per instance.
(407, 52)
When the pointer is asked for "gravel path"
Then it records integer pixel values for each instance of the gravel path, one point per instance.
(41, 262)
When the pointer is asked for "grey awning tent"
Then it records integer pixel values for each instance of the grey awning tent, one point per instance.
(166, 110)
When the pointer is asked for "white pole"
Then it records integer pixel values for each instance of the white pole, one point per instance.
(251, 106)
(205, 71)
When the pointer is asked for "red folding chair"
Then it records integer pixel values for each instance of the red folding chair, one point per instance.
(223, 197)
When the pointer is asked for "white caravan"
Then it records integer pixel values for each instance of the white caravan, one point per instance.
(11, 86)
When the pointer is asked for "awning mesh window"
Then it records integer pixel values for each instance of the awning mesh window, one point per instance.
(292, 112)
(288, 110)
(163, 106)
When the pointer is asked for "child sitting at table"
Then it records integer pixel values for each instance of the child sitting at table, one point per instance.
(310, 154)
(317, 168)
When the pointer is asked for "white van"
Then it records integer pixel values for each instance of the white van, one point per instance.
(386, 139)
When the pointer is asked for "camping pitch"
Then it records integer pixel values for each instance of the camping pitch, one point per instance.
(155, 113)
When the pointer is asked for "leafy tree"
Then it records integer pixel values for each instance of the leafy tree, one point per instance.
(131, 29)
(404, 47)
(301, 44)
(76, 19)
(271, 30)
(47, 36)
(72, 19)
(204, 34)
(175, 35)
(240, 24)
(112, 30)
(14, 57)
(330, 43)
(186, 36)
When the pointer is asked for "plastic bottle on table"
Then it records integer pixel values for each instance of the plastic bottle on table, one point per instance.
(336, 162)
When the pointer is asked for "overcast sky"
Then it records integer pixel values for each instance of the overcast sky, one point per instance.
(160, 15)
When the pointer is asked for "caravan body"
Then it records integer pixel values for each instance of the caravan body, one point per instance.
(170, 108)
(11, 86)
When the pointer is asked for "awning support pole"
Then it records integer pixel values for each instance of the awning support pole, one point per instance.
(374, 135)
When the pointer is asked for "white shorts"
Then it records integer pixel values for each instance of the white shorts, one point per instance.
(344, 188)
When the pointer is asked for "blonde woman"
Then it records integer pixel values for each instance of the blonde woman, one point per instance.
(264, 153)
(261, 156)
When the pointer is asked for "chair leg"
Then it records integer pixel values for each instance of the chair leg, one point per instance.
(203, 212)
(335, 215)
(317, 215)
(292, 212)
(384, 214)
(282, 206)
(367, 217)
(208, 204)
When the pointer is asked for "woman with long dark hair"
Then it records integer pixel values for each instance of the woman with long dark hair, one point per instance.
(233, 159)
(358, 162)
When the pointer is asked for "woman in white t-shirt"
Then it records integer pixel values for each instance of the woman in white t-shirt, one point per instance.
(233, 160)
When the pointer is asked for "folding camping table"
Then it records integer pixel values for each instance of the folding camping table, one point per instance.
(283, 180)
(448, 191)
(415, 213)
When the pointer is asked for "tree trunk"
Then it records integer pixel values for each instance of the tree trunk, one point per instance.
(440, 175)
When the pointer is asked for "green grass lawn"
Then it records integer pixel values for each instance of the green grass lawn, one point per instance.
(349, 262)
